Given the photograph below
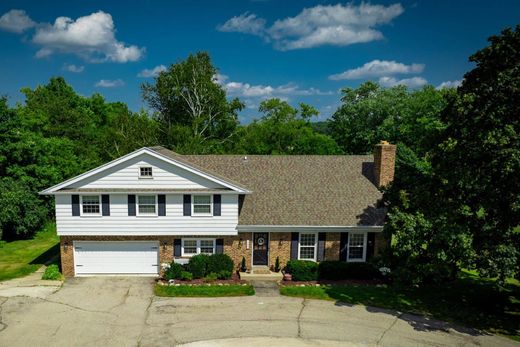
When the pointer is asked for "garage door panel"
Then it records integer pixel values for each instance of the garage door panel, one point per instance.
(116, 257)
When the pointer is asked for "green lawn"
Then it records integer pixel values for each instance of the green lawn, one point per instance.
(469, 301)
(20, 258)
(200, 291)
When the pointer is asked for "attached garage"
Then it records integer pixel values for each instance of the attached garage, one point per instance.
(116, 258)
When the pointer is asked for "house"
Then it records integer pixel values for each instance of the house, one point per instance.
(153, 206)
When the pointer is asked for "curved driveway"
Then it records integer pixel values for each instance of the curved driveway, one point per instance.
(122, 311)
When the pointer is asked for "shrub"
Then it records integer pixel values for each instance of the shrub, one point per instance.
(186, 276)
(338, 270)
(220, 262)
(224, 275)
(302, 270)
(173, 272)
(277, 265)
(198, 265)
(212, 277)
(52, 272)
(243, 267)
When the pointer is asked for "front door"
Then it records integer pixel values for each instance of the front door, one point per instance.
(260, 248)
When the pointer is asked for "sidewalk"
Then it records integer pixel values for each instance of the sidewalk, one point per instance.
(31, 285)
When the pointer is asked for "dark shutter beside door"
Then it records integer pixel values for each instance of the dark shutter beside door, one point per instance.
(161, 202)
(321, 247)
(343, 244)
(371, 242)
(219, 246)
(217, 199)
(186, 208)
(177, 248)
(294, 245)
(75, 205)
(105, 205)
(131, 205)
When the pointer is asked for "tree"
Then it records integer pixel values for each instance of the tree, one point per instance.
(284, 130)
(188, 96)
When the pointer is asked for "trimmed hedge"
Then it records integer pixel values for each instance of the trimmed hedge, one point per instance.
(339, 270)
(202, 265)
(302, 270)
(173, 272)
(198, 265)
(220, 262)
(52, 272)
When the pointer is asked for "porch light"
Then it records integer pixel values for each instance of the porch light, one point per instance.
(65, 246)
(164, 245)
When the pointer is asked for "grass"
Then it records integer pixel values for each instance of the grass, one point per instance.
(204, 291)
(470, 301)
(22, 257)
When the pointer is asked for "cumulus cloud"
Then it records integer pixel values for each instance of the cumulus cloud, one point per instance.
(449, 84)
(91, 37)
(152, 72)
(16, 21)
(73, 68)
(337, 25)
(110, 83)
(413, 82)
(378, 68)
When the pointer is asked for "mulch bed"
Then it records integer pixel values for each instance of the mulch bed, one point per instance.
(329, 282)
(235, 279)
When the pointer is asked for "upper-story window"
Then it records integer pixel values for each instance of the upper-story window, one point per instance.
(145, 172)
(202, 205)
(90, 205)
(146, 205)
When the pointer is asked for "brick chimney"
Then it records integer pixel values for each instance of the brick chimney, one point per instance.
(384, 163)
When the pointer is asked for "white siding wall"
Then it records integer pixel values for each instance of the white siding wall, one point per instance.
(119, 223)
(126, 175)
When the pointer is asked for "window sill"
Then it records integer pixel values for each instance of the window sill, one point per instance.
(145, 178)
(92, 216)
(147, 216)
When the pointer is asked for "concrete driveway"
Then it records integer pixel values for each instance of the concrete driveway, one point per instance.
(121, 311)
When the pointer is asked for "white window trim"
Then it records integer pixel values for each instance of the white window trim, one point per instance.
(82, 214)
(361, 260)
(146, 214)
(210, 214)
(315, 245)
(144, 177)
(197, 246)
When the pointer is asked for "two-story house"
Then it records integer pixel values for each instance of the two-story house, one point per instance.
(153, 206)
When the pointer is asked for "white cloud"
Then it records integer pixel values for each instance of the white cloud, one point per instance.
(16, 21)
(73, 68)
(110, 83)
(378, 68)
(449, 84)
(337, 25)
(152, 72)
(91, 37)
(413, 82)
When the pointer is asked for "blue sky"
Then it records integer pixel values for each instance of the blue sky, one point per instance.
(301, 51)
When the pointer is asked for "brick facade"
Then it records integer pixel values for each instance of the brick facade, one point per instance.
(279, 246)
(236, 248)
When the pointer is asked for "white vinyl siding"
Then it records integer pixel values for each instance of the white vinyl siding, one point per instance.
(307, 246)
(165, 175)
(119, 223)
(357, 247)
(192, 247)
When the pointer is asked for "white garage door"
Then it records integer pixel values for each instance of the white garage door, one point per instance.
(116, 257)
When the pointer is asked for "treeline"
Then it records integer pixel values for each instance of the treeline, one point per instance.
(455, 201)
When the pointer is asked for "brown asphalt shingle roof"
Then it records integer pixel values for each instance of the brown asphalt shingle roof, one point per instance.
(297, 189)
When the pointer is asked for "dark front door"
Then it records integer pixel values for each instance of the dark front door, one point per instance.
(260, 248)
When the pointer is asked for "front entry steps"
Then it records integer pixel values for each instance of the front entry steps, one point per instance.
(261, 273)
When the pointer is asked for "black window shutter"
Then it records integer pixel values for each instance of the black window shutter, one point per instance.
(217, 200)
(321, 247)
(219, 246)
(343, 244)
(177, 248)
(131, 205)
(186, 209)
(371, 242)
(295, 238)
(75, 205)
(161, 201)
(105, 205)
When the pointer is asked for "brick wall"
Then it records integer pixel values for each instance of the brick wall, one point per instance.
(380, 243)
(279, 246)
(332, 243)
(236, 248)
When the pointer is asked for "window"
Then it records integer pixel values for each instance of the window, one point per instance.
(90, 205)
(197, 246)
(145, 172)
(146, 205)
(202, 205)
(307, 246)
(356, 246)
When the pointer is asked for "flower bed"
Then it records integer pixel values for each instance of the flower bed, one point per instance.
(235, 279)
(331, 282)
